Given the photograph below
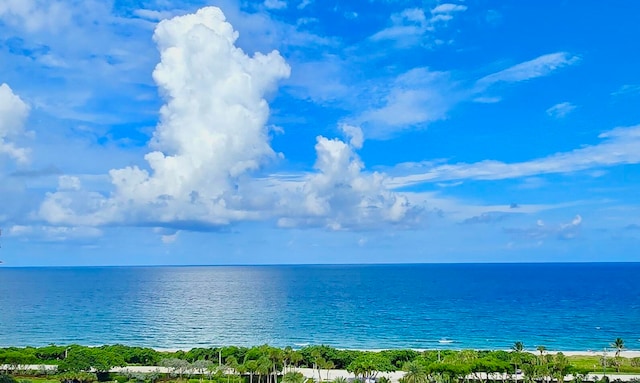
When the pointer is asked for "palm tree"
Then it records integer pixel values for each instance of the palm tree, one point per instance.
(201, 366)
(618, 344)
(542, 369)
(276, 356)
(516, 357)
(561, 367)
(328, 365)
(251, 366)
(295, 357)
(541, 349)
(415, 373)
(528, 372)
(320, 363)
(293, 377)
(231, 363)
(264, 366)
(241, 369)
(340, 379)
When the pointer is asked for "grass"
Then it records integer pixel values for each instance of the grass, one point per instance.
(593, 364)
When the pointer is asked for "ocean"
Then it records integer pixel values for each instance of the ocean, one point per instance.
(424, 306)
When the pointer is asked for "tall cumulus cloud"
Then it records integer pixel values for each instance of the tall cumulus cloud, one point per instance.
(212, 137)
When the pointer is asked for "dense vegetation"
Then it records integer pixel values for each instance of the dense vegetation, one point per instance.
(266, 364)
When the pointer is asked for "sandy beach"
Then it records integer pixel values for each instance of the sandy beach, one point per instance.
(610, 351)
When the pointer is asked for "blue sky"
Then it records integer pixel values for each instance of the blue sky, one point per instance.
(305, 131)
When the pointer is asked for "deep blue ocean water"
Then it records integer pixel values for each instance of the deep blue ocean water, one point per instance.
(483, 306)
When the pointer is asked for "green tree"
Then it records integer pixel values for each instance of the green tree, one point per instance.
(415, 373)
(251, 366)
(264, 367)
(618, 344)
(516, 356)
(368, 365)
(86, 359)
(528, 372)
(201, 366)
(230, 366)
(542, 369)
(293, 377)
(178, 367)
(560, 367)
(295, 358)
(541, 350)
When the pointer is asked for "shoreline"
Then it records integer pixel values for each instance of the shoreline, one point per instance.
(610, 352)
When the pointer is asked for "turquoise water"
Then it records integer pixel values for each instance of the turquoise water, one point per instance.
(561, 306)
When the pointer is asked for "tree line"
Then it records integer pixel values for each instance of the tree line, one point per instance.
(267, 364)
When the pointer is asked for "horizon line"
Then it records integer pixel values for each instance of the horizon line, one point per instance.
(9, 266)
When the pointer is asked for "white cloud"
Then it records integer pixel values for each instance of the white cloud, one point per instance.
(35, 15)
(541, 231)
(445, 12)
(413, 25)
(211, 131)
(340, 195)
(169, 239)
(415, 98)
(448, 8)
(66, 182)
(304, 3)
(275, 4)
(13, 114)
(211, 139)
(54, 233)
(619, 146)
(627, 89)
(321, 81)
(539, 67)
(560, 110)
(153, 15)
(420, 96)
(354, 134)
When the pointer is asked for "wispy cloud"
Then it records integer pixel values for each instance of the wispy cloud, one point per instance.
(619, 146)
(627, 89)
(560, 110)
(420, 96)
(541, 231)
(275, 4)
(36, 15)
(415, 98)
(413, 25)
(486, 218)
(539, 67)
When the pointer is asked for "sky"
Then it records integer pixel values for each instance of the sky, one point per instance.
(171, 132)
